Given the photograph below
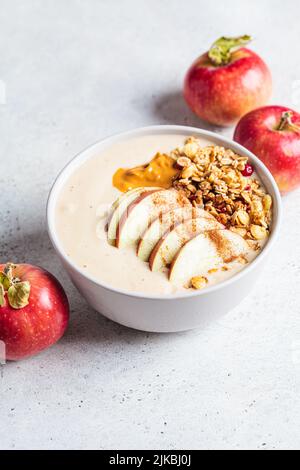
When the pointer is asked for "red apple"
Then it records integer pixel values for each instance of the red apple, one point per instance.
(34, 310)
(272, 133)
(227, 82)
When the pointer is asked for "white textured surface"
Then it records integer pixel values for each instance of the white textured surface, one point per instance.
(76, 71)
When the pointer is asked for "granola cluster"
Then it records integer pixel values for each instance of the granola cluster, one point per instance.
(198, 282)
(212, 178)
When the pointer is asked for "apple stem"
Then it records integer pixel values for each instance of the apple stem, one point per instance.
(17, 291)
(221, 50)
(286, 123)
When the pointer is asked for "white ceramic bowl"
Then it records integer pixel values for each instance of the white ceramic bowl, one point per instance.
(170, 313)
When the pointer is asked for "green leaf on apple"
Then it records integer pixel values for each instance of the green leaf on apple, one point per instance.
(18, 294)
(221, 50)
(5, 281)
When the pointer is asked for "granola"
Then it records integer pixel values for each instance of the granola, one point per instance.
(212, 178)
(198, 282)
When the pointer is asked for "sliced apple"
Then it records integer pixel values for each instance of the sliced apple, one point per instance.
(164, 224)
(143, 210)
(208, 250)
(125, 196)
(168, 246)
(119, 207)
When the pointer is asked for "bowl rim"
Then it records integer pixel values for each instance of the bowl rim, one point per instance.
(82, 156)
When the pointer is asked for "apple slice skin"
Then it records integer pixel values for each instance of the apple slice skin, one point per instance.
(163, 225)
(168, 246)
(167, 200)
(118, 208)
(126, 214)
(207, 250)
(123, 196)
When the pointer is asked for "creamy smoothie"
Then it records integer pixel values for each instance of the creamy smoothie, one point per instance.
(83, 210)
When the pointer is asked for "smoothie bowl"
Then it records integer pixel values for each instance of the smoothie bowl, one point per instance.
(164, 228)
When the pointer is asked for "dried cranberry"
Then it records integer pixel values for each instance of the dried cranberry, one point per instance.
(248, 170)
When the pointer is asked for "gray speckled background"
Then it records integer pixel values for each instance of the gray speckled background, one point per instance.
(76, 71)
